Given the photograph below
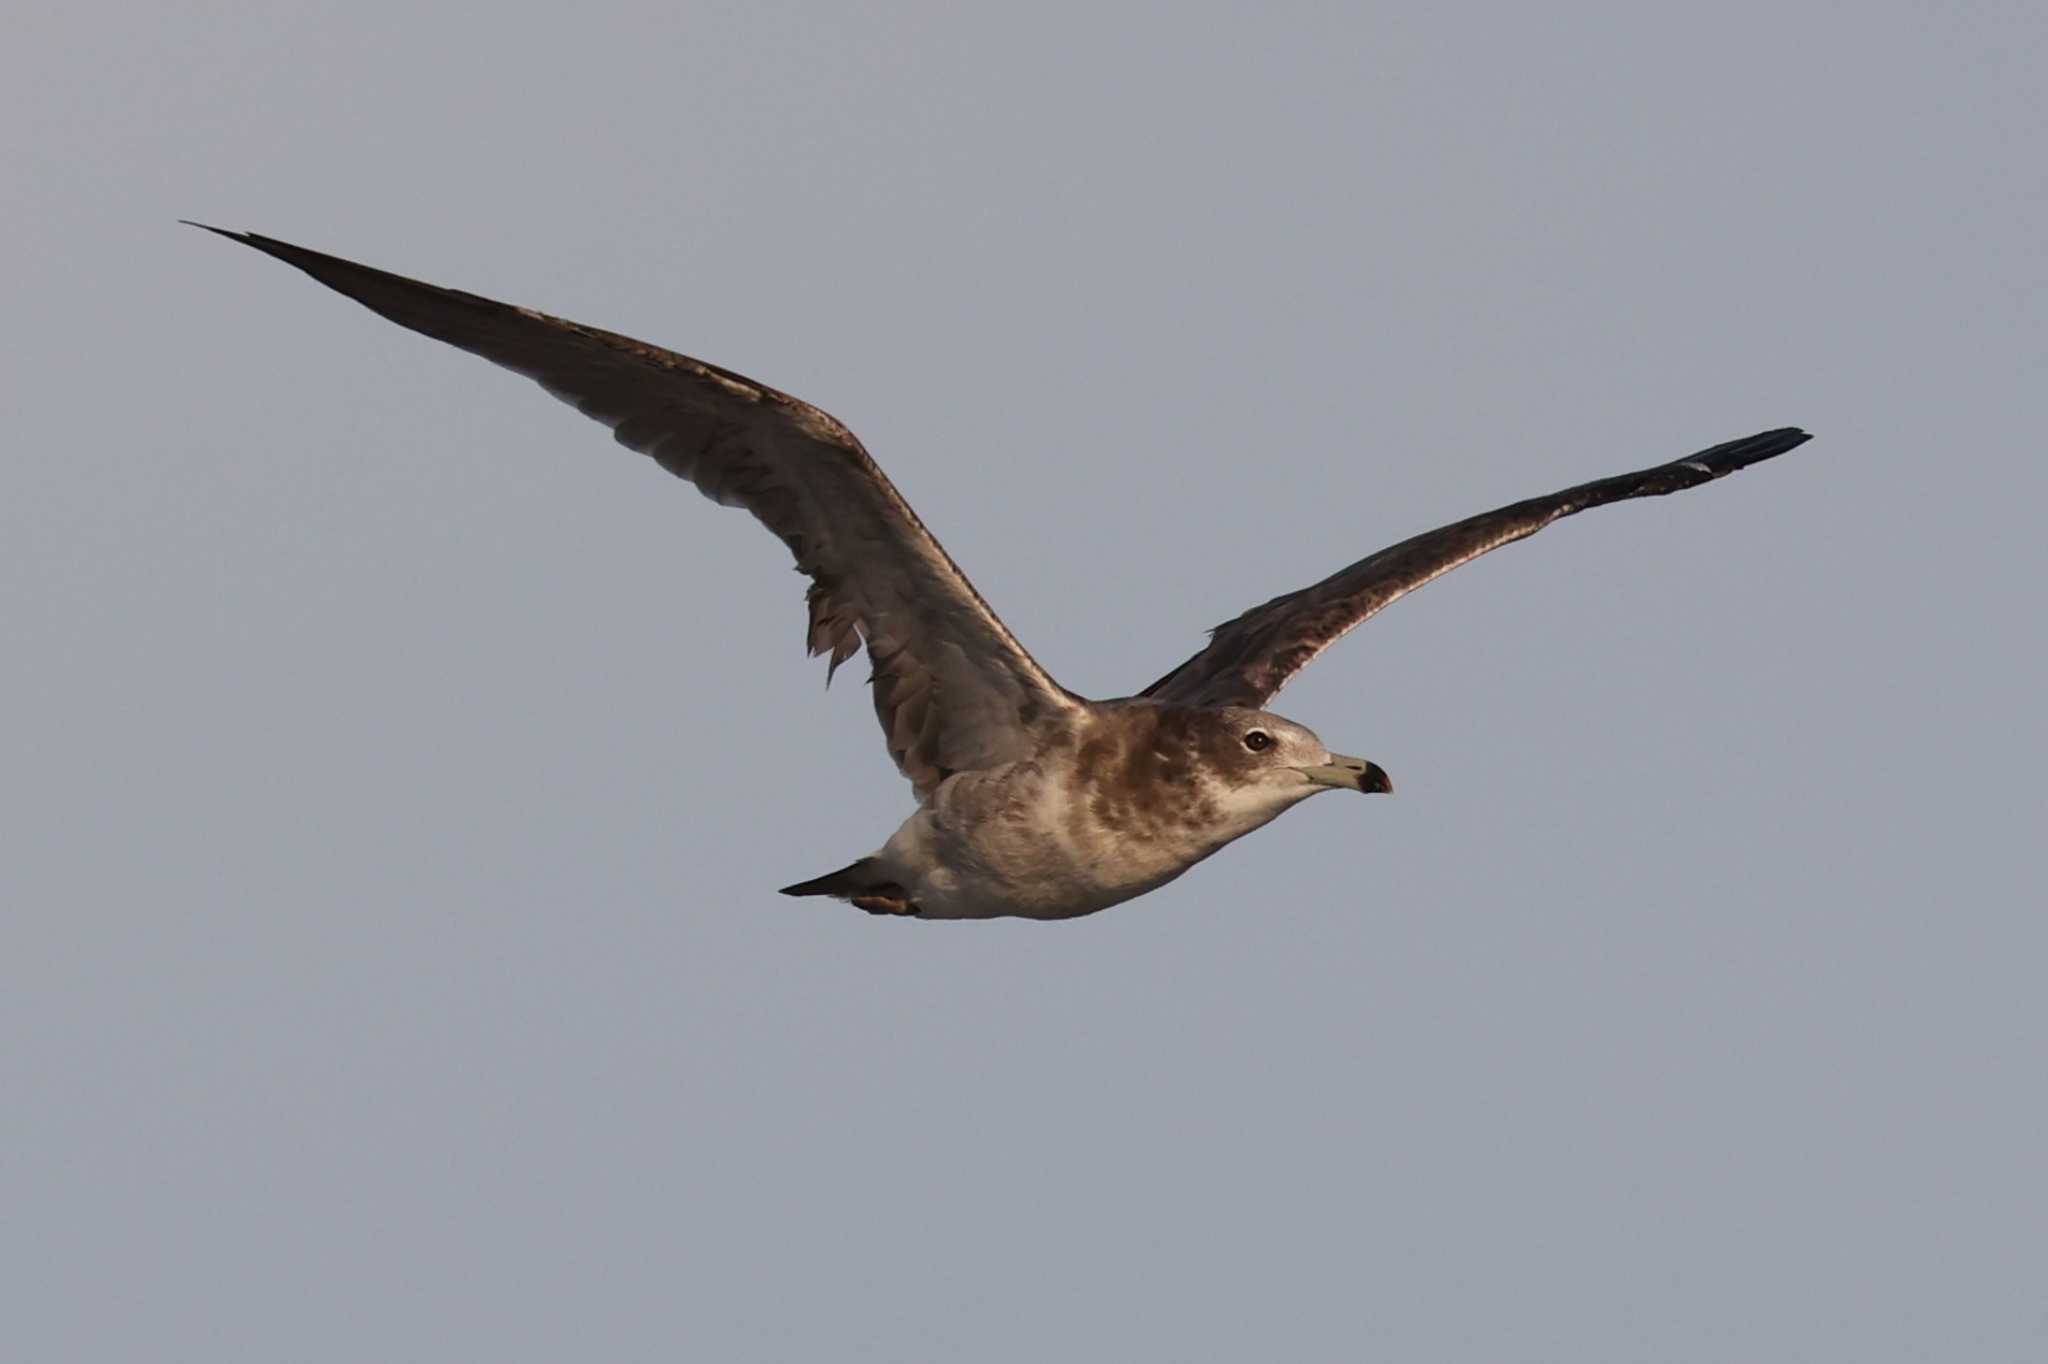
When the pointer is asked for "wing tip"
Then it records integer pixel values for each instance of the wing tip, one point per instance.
(1785, 438)
(1720, 460)
(227, 232)
(284, 251)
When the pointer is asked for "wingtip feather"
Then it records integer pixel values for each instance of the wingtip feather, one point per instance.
(1740, 454)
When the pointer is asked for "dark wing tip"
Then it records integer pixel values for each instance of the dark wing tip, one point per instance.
(260, 242)
(318, 264)
(1729, 456)
(448, 315)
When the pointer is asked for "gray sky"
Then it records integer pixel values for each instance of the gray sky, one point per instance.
(398, 773)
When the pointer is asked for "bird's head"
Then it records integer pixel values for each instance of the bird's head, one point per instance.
(1258, 764)
(1266, 751)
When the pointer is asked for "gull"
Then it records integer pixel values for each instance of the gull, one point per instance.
(1032, 801)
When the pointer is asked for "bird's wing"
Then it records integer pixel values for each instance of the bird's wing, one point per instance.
(953, 688)
(1252, 657)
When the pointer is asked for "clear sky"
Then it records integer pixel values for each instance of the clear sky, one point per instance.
(397, 773)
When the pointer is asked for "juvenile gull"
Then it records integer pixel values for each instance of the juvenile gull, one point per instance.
(1032, 801)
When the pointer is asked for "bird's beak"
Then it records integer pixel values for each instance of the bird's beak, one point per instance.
(1352, 774)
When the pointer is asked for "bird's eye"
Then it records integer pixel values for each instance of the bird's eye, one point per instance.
(1257, 740)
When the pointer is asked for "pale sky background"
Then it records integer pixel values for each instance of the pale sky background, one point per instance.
(398, 773)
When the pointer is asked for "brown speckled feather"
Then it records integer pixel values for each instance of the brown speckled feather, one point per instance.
(954, 690)
(1252, 657)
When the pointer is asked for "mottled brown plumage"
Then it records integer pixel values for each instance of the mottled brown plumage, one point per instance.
(1142, 776)
(1032, 801)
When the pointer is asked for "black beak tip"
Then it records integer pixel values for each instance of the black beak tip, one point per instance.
(1376, 780)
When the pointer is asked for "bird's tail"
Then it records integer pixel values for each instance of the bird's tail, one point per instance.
(858, 878)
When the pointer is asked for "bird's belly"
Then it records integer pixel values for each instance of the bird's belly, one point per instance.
(950, 897)
(976, 891)
(1029, 868)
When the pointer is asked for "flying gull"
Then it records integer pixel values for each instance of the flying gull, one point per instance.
(1032, 801)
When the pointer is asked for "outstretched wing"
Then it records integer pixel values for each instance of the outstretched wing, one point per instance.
(1250, 658)
(953, 688)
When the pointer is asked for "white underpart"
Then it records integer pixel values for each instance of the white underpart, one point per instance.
(1011, 841)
